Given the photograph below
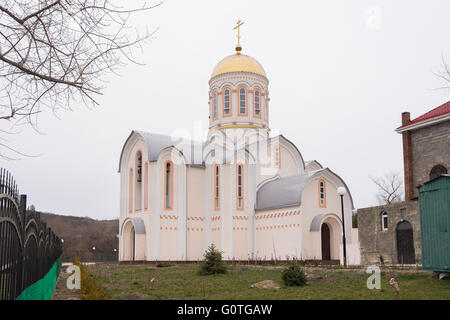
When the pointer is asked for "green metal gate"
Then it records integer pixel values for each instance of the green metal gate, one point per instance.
(434, 203)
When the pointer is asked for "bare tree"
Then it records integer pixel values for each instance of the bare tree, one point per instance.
(54, 52)
(389, 187)
(444, 75)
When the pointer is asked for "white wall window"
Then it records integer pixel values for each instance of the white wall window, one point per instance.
(384, 221)
(240, 187)
(257, 106)
(242, 101)
(216, 187)
(138, 183)
(168, 185)
(322, 193)
(226, 102)
(215, 106)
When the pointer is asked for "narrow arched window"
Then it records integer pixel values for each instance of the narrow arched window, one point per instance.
(168, 182)
(437, 171)
(130, 193)
(240, 187)
(216, 187)
(322, 194)
(215, 106)
(138, 182)
(257, 105)
(242, 101)
(226, 102)
(384, 221)
(146, 185)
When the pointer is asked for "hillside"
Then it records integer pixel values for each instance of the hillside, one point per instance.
(80, 235)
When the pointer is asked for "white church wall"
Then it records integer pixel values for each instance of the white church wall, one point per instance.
(226, 225)
(235, 242)
(195, 215)
(353, 250)
(128, 205)
(312, 247)
(172, 231)
(240, 237)
(140, 247)
(153, 228)
(290, 163)
(278, 234)
(213, 231)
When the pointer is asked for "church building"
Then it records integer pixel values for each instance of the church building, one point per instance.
(249, 193)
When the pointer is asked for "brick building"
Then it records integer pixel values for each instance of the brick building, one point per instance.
(391, 233)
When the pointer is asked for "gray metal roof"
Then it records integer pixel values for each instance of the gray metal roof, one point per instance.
(138, 224)
(191, 150)
(282, 192)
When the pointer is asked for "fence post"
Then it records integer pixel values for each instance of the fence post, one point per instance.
(23, 215)
(23, 204)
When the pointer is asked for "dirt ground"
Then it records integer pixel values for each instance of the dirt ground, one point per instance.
(61, 291)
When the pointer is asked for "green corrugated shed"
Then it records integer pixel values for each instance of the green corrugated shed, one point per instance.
(434, 203)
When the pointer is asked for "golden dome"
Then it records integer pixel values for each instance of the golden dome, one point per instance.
(238, 63)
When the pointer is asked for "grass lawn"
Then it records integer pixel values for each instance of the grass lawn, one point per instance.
(182, 282)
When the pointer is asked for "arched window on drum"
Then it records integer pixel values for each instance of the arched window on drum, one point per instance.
(257, 104)
(242, 101)
(227, 108)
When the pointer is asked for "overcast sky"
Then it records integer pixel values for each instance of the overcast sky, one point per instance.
(340, 74)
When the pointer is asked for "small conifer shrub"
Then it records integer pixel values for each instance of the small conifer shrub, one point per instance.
(293, 275)
(212, 264)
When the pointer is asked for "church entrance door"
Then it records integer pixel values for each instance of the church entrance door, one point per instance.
(326, 252)
(129, 242)
(405, 243)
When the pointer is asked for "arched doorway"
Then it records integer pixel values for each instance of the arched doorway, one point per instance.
(326, 242)
(133, 240)
(129, 242)
(405, 243)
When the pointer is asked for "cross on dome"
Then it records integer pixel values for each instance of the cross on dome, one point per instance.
(239, 23)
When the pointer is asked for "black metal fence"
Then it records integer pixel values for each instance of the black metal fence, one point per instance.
(28, 249)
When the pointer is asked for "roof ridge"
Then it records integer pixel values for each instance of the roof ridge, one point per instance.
(435, 113)
(168, 136)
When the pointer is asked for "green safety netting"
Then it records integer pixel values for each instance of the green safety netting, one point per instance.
(43, 288)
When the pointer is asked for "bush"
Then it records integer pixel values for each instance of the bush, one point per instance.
(293, 275)
(91, 288)
(213, 263)
(164, 264)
